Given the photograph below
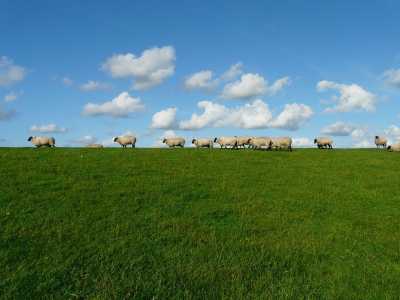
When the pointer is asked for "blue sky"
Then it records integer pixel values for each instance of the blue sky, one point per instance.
(297, 68)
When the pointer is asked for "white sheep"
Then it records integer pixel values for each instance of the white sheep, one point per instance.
(281, 143)
(224, 142)
(380, 141)
(174, 142)
(42, 141)
(260, 142)
(202, 143)
(243, 141)
(125, 140)
(394, 147)
(323, 142)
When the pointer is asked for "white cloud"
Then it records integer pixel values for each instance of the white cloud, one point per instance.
(85, 140)
(302, 142)
(233, 72)
(67, 81)
(150, 69)
(49, 128)
(6, 115)
(339, 129)
(251, 115)
(91, 86)
(164, 119)
(202, 80)
(293, 116)
(9, 72)
(392, 77)
(352, 97)
(393, 132)
(12, 96)
(252, 85)
(120, 106)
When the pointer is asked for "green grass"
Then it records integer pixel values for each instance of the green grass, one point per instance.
(199, 224)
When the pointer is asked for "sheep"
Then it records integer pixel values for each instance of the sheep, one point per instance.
(394, 147)
(94, 146)
(224, 142)
(323, 142)
(281, 143)
(242, 141)
(174, 142)
(40, 141)
(202, 143)
(260, 142)
(380, 141)
(125, 140)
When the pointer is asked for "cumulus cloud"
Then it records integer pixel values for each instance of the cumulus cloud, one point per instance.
(6, 115)
(252, 85)
(393, 132)
(164, 119)
(119, 107)
(339, 129)
(233, 72)
(302, 142)
(12, 96)
(202, 80)
(293, 116)
(352, 97)
(92, 85)
(9, 72)
(250, 116)
(150, 69)
(48, 128)
(392, 77)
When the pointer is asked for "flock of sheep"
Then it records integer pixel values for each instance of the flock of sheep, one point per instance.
(234, 142)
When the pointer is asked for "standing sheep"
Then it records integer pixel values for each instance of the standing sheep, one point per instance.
(394, 147)
(125, 140)
(202, 143)
(380, 141)
(42, 141)
(174, 142)
(281, 143)
(224, 142)
(260, 142)
(243, 141)
(323, 142)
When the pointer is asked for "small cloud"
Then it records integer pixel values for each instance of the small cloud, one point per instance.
(67, 81)
(10, 73)
(233, 72)
(164, 119)
(392, 77)
(302, 142)
(85, 140)
(119, 107)
(49, 128)
(92, 86)
(12, 96)
(202, 80)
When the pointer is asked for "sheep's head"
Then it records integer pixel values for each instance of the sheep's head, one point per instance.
(389, 147)
(30, 138)
(377, 137)
(215, 140)
(315, 141)
(115, 139)
(193, 141)
(164, 141)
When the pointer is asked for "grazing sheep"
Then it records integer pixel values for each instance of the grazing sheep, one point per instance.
(323, 142)
(281, 143)
(380, 141)
(243, 141)
(94, 146)
(42, 141)
(202, 143)
(125, 140)
(174, 142)
(260, 142)
(394, 147)
(224, 142)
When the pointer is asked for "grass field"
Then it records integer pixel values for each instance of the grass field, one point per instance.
(199, 224)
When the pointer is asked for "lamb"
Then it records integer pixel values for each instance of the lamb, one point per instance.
(323, 142)
(224, 142)
(42, 141)
(380, 141)
(394, 147)
(281, 143)
(260, 142)
(242, 141)
(202, 143)
(125, 140)
(174, 142)
(94, 146)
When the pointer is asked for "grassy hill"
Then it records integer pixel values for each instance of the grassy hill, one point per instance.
(199, 224)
